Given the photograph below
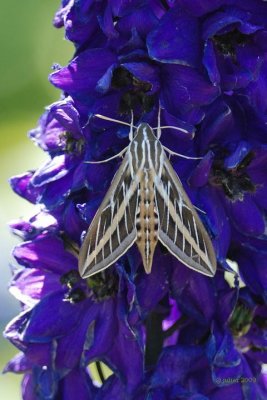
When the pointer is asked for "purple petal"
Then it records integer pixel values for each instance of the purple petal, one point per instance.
(98, 177)
(106, 23)
(54, 169)
(215, 220)
(142, 19)
(34, 226)
(187, 86)
(84, 71)
(200, 175)
(56, 192)
(21, 184)
(29, 286)
(81, 22)
(215, 23)
(253, 269)
(40, 354)
(185, 283)
(104, 83)
(247, 217)
(233, 76)
(52, 317)
(227, 301)
(148, 290)
(210, 62)
(166, 43)
(71, 346)
(219, 121)
(77, 384)
(72, 221)
(18, 364)
(201, 7)
(47, 134)
(111, 337)
(174, 364)
(225, 359)
(46, 253)
(187, 129)
(61, 13)
(145, 73)
(67, 115)
(234, 159)
(257, 172)
(28, 387)
(12, 331)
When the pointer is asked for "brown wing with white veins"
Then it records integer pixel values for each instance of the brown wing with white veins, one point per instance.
(112, 231)
(180, 228)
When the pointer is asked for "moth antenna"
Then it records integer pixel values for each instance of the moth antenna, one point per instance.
(192, 135)
(131, 126)
(199, 209)
(107, 159)
(173, 153)
(159, 127)
(114, 120)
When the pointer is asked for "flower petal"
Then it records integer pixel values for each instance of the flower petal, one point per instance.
(247, 217)
(84, 71)
(29, 286)
(46, 253)
(52, 317)
(166, 43)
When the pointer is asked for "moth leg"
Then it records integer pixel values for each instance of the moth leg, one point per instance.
(131, 126)
(112, 120)
(158, 127)
(173, 153)
(108, 159)
(199, 209)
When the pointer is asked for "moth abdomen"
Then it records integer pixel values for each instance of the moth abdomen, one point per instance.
(147, 220)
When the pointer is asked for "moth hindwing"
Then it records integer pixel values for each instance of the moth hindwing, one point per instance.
(145, 203)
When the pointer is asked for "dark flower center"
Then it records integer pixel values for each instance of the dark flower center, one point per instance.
(235, 182)
(245, 326)
(71, 145)
(241, 320)
(70, 279)
(24, 322)
(103, 285)
(165, 4)
(75, 295)
(227, 43)
(134, 91)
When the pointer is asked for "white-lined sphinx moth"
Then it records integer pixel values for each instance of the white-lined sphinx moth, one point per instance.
(145, 203)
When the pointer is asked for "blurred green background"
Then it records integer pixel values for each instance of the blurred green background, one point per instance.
(29, 47)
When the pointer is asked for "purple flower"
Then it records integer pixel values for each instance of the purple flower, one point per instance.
(172, 334)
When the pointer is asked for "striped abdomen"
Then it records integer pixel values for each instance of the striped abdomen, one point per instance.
(147, 219)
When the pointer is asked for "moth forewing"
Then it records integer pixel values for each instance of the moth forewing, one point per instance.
(104, 243)
(181, 229)
(145, 203)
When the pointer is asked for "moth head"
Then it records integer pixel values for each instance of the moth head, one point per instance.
(145, 132)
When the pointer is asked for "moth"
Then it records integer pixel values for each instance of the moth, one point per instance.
(146, 203)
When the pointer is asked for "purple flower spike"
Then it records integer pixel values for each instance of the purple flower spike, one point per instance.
(174, 333)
